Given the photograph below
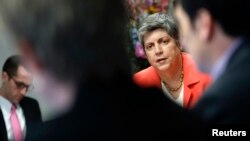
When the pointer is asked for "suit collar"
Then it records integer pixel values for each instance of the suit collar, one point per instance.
(190, 76)
(239, 55)
(189, 70)
(221, 64)
(26, 110)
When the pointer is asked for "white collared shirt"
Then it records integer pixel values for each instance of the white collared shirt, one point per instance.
(5, 106)
(180, 98)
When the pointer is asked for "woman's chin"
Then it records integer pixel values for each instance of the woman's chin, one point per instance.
(164, 67)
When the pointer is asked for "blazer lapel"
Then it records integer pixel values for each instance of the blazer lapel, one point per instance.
(26, 113)
(3, 132)
(189, 69)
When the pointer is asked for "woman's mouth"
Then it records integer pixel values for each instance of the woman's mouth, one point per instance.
(161, 60)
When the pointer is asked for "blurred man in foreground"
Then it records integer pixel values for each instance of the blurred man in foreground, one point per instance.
(217, 35)
(77, 46)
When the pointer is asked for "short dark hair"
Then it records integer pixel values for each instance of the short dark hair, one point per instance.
(72, 38)
(156, 21)
(228, 13)
(11, 65)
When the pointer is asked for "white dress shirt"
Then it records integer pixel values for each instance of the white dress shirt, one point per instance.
(5, 106)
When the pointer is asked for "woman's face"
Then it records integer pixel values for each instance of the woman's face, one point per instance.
(161, 50)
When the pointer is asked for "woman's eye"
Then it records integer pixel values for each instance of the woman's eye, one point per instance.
(165, 41)
(149, 46)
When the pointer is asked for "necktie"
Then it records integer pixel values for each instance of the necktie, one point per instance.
(16, 127)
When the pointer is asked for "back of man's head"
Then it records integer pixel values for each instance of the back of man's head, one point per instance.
(230, 14)
(71, 38)
(11, 65)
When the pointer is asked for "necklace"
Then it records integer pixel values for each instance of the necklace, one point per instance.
(178, 86)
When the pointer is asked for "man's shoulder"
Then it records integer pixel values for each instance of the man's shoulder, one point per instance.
(227, 98)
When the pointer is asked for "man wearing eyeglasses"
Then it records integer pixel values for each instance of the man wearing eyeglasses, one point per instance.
(18, 113)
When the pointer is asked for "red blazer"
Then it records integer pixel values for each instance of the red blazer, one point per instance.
(195, 82)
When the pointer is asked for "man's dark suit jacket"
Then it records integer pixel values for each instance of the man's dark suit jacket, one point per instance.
(116, 109)
(228, 99)
(32, 116)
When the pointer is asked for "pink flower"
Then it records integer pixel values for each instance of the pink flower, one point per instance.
(139, 52)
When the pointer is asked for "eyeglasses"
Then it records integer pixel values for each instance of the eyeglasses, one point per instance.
(21, 85)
